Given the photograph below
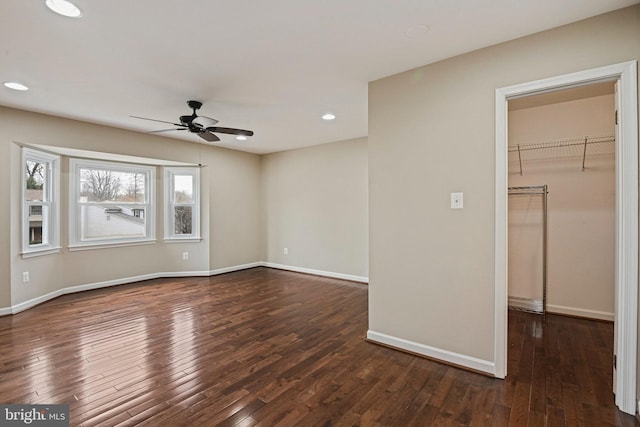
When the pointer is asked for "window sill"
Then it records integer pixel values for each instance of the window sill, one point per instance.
(92, 246)
(182, 239)
(41, 252)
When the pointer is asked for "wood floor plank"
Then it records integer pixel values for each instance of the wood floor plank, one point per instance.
(269, 347)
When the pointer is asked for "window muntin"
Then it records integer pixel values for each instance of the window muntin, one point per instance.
(182, 219)
(111, 203)
(40, 185)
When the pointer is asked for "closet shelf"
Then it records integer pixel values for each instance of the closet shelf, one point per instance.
(604, 144)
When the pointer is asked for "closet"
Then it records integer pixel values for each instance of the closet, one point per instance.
(562, 202)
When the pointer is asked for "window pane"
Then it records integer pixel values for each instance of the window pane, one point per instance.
(111, 222)
(183, 220)
(36, 224)
(35, 173)
(101, 185)
(183, 189)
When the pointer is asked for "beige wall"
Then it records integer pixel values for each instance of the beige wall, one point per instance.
(234, 222)
(431, 132)
(5, 224)
(581, 208)
(315, 205)
(230, 207)
(314, 200)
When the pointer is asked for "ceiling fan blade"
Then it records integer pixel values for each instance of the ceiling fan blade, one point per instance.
(166, 130)
(208, 136)
(154, 120)
(230, 131)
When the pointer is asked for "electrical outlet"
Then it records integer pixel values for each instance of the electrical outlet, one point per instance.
(25, 277)
(185, 256)
(286, 251)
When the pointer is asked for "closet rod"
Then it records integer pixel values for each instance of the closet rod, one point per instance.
(527, 194)
(533, 189)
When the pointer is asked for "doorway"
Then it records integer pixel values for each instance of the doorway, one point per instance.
(626, 217)
(561, 204)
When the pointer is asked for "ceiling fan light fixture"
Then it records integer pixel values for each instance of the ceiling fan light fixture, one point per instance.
(16, 86)
(241, 138)
(328, 116)
(202, 122)
(64, 8)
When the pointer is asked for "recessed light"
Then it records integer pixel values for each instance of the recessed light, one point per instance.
(328, 116)
(16, 86)
(64, 8)
(416, 31)
(241, 138)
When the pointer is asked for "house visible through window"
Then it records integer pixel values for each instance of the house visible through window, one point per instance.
(35, 224)
(110, 203)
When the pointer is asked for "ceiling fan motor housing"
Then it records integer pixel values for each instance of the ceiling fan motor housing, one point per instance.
(187, 119)
(194, 105)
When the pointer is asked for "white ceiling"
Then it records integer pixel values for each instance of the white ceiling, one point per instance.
(272, 67)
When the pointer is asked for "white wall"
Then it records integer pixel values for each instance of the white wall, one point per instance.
(315, 204)
(432, 132)
(581, 208)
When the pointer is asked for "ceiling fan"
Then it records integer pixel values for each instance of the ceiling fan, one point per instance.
(204, 127)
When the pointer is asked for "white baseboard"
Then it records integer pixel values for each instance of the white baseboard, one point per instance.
(235, 268)
(17, 308)
(433, 352)
(202, 273)
(35, 301)
(331, 274)
(580, 312)
(90, 286)
(527, 304)
(107, 283)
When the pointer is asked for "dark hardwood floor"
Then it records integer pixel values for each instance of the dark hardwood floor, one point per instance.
(267, 347)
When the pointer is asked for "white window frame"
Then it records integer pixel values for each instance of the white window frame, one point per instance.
(50, 203)
(171, 204)
(75, 240)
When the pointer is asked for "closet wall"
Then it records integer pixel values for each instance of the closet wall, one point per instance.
(581, 206)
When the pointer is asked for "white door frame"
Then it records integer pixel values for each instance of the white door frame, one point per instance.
(626, 301)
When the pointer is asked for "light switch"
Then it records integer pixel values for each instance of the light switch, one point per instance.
(456, 200)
